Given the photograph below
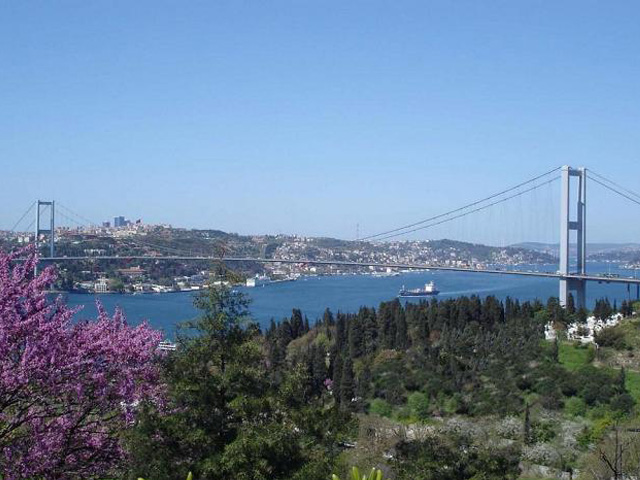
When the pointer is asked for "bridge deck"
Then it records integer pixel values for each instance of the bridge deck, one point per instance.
(402, 266)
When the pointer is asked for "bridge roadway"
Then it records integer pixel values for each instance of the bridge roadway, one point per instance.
(402, 266)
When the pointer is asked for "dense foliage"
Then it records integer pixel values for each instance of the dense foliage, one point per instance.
(95, 399)
(230, 415)
(465, 355)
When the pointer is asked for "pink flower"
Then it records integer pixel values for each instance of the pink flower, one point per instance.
(66, 389)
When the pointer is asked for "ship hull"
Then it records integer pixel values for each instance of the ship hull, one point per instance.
(417, 294)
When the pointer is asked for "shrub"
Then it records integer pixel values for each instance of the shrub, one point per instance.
(380, 407)
(576, 407)
(622, 403)
(610, 337)
(419, 405)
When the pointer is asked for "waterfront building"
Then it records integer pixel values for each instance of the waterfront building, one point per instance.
(132, 272)
(101, 286)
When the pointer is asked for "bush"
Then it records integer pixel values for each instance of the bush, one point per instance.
(595, 433)
(380, 407)
(610, 337)
(419, 405)
(542, 432)
(622, 403)
(576, 407)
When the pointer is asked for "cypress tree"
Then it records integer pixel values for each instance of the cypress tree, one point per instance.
(341, 332)
(347, 384)
(402, 338)
(517, 311)
(607, 311)
(554, 350)
(318, 368)
(327, 318)
(622, 377)
(508, 308)
(571, 305)
(370, 333)
(297, 324)
(386, 325)
(363, 385)
(337, 377)
(582, 315)
(356, 337)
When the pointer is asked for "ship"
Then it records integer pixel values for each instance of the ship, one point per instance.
(258, 281)
(262, 280)
(428, 290)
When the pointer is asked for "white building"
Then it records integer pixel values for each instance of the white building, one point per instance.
(101, 286)
(584, 332)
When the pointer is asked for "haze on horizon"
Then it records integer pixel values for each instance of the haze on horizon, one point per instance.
(315, 117)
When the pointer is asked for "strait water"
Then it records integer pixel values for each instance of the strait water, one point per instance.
(345, 293)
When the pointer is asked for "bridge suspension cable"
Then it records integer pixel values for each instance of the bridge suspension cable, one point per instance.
(69, 218)
(616, 188)
(13, 229)
(410, 227)
(469, 212)
(85, 220)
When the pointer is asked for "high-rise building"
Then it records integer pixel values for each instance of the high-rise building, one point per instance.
(119, 222)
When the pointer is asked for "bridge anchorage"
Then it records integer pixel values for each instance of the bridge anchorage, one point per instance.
(567, 225)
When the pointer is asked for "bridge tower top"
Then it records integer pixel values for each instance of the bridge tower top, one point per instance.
(40, 230)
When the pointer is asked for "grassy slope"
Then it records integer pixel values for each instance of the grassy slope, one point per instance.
(633, 384)
(572, 356)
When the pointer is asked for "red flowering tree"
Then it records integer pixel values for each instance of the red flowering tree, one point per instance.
(66, 390)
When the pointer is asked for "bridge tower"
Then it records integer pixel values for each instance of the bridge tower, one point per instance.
(567, 225)
(52, 225)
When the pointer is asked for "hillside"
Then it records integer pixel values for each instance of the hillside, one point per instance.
(425, 379)
(604, 252)
(158, 241)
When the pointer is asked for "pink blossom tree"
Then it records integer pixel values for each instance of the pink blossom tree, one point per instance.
(67, 390)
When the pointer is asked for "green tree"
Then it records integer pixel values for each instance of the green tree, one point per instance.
(419, 405)
(225, 418)
(380, 407)
(347, 384)
(571, 305)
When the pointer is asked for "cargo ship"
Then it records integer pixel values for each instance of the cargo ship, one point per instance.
(428, 290)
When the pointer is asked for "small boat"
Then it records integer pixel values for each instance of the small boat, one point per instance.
(428, 290)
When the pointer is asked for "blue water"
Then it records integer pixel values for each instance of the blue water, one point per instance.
(343, 293)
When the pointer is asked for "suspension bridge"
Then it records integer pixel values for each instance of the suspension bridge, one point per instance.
(571, 274)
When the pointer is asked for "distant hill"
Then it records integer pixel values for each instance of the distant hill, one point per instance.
(595, 251)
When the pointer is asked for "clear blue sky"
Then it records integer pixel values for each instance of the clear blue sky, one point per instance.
(313, 116)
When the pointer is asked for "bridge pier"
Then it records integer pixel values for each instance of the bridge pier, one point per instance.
(577, 287)
(566, 227)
